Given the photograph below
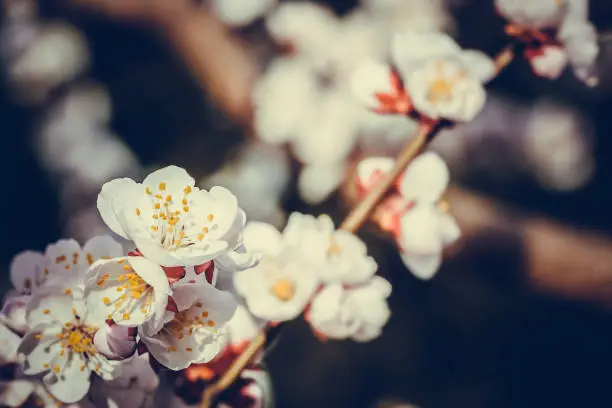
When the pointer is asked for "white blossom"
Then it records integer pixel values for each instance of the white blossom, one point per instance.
(60, 345)
(58, 54)
(357, 312)
(282, 285)
(193, 333)
(418, 219)
(129, 290)
(339, 256)
(434, 76)
(63, 263)
(172, 222)
(556, 32)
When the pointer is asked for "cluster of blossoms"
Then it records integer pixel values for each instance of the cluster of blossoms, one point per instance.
(314, 269)
(555, 33)
(414, 213)
(79, 316)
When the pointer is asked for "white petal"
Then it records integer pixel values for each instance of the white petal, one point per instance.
(410, 48)
(101, 247)
(13, 313)
(479, 64)
(425, 179)
(72, 385)
(40, 347)
(369, 79)
(420, 231)
(175, 178)
(422, 266)
(449, 230)
(317, 181)
(113, 198)
(64, 256)
(115, 342)
(262, 237)
(50, 307)
(28, 271)
(370, 170)
(9, 342)
(551, 63)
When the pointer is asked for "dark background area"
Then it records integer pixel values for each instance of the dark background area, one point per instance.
(473, 337)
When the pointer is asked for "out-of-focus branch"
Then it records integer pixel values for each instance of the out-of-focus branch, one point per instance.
(561, 260)
(218, 60)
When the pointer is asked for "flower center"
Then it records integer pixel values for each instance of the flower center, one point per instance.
(283, 289)
(77, 338)
(446, 77)
(186, 322)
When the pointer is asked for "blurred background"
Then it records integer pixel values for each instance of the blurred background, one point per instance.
(252, 95)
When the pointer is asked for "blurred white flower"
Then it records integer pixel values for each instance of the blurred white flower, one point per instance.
(284, 98)
(61, 345)
(172, 222)
(434, 76)
(317, 181)
(307, 27)
(339, 256)
(555, 32)
(419, 15)
(240, 12)
(557, 147)
(357, 312)
(193, 333)
(418, 220)
(258, 177)
(57, 55)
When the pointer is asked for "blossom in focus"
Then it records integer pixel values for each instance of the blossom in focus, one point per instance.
(415, 215)
(280, 287)
(251, 389)
(60, 345)
(172, 222)
(64, 263)
(431, 75)
(357, 312)
(556, 32)
(128, 290)
(192, 333)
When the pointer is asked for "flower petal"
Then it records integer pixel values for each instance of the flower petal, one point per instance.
(410, 48)
(14, 393)
(174, 178)
(422, 266)
(318, 181)
(262, 237)
(28, 271)
(479, 64)
(13, 313)
(369, 79)
(425, 179)
(72, 384)
(9, 343)
(113, 198)
(371, 170)
(101, 247)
